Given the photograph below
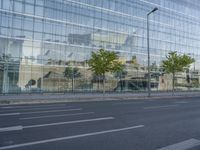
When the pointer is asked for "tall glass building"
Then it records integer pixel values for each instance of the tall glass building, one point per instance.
(45, 44)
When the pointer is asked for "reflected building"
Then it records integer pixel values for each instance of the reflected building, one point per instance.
(40, 38)
(10, 52)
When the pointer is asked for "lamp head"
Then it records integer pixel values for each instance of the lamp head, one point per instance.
(155, 9)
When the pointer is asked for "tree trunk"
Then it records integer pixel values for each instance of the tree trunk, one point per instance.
(103, 84)
(173, 83)
(72, 85)
(120, 81)
(98, 84)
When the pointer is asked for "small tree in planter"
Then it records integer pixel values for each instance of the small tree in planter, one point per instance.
(102, 62)
(176, 63)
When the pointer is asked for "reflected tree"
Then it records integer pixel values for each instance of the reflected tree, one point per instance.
(72, 73)
(121, 74)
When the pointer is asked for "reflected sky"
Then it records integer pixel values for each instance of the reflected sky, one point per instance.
(87, 25)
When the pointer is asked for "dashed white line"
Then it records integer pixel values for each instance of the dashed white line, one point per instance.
(30, 109)
(7, 107)
(68, 122)
(51, 116)
(14, 128)
(9, 114)
(127, 103)
(69, 137)
(183, 102)
(163, 106)
(36, 106)
(49, 111)
(182, 145)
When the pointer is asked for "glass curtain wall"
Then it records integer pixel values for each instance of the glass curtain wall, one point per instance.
(45, 44)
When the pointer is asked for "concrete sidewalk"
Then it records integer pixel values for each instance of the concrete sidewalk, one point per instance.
(83, 97)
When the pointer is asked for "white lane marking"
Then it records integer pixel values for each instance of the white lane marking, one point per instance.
(181, 102)
(30, 109)
(14, 128)
(9, 114)
(49, 111)
(7, 107)
(36, 106)
(126, 103)
(163, 106)
(182, 145)
(51, 116)
(67, 122)
(69, 137)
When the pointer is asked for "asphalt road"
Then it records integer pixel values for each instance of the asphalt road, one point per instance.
(160, 124)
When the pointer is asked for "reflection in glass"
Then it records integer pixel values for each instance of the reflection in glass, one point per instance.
(40, 39)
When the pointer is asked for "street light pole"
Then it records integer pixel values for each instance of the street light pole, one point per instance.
(149, 75)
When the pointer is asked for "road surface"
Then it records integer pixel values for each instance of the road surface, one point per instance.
(151, 124)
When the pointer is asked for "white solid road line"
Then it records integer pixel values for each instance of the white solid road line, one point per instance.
(163, 106)
(51, 116)
(6, 107)
(69, 137)
(183, 102)
(32, 109)
(127, 103)
(49, 111)
(9, 114)
(36, 106)
(182, 145)
(67, 122)
(14, 128)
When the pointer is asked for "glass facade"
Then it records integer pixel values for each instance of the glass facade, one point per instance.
(45, 44)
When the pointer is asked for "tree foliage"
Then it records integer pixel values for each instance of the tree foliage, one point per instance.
(176, 63)
(103, 61)
(121, 73)
(71, 73)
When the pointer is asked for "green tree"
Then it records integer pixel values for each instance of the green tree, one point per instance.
(72, 73)
(120, 74)
(176, 63)
(102, 62)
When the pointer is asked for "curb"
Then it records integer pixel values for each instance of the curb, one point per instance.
(88, 99)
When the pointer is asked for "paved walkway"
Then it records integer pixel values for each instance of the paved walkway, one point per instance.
(82, 97)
